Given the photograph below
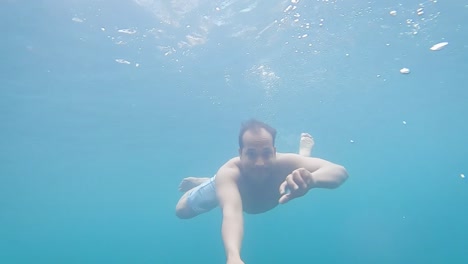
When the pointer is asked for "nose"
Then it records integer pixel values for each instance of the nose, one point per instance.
(259, 162)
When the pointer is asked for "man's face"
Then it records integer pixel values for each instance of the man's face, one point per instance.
(258, 154)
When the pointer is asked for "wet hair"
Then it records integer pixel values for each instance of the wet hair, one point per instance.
(255, 126)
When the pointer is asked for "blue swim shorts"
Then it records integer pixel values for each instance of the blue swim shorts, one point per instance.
(203, 198)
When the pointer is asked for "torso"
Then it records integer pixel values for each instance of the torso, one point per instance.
(261, 197)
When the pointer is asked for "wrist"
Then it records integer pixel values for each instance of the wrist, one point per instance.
(234, 258)
(311, 181)
(233, 255)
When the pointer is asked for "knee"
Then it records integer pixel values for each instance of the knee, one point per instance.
(183, 211)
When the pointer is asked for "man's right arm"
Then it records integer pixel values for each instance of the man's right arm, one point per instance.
(231, 204)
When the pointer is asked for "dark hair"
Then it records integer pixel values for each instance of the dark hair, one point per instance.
(255, 125)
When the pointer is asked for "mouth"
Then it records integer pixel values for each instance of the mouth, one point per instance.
(260, 171)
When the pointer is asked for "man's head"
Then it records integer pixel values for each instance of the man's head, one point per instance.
(257, 148)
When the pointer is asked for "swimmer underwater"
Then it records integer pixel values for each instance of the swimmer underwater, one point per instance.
(255, 182)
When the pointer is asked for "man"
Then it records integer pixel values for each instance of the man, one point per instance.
(255, 182)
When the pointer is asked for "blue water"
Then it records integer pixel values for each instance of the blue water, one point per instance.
(98, 127)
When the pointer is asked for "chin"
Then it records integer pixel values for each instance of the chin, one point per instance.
(261, 175)
(257, 179)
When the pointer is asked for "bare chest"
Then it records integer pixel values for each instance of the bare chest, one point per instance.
(260, 197)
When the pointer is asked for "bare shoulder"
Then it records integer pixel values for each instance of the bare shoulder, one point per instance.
(230, 169)
(232, 163)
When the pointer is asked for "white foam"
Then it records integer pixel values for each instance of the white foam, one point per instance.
(122, 61)
(127, 31)
(439, 46)
(288, 8)
(404, 70)
(77, 20)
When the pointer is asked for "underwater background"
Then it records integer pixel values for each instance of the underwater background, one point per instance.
(105, 106)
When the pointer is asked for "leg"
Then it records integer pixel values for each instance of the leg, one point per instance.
(183, 210)
(197, 200)
(306, 144)
(191, 182)
(187, 185)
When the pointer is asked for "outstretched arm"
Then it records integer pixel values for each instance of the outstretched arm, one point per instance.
(231, 204)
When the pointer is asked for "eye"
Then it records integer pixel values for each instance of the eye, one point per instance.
(267, 154)
(251, 155)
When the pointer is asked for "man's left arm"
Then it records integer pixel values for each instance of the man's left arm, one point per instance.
(310, 173)
(324, 174)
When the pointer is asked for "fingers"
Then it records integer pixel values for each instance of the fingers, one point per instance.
(284, 199)
(296, 179)
(295, 185)
(282, 188)
(290, 180)
(284, 191)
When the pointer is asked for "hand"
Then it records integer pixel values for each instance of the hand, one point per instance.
(235, 261)
(295, 185)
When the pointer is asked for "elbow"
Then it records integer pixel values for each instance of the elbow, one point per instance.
(341, 175)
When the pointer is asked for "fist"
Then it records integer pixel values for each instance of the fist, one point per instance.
(295, 185)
